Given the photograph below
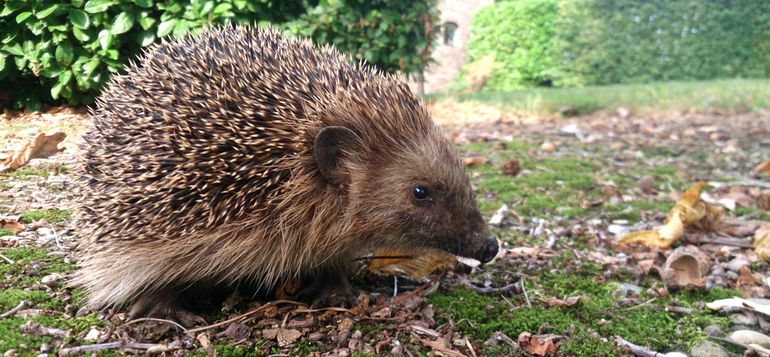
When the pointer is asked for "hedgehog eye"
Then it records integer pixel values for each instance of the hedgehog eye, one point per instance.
(420, 193)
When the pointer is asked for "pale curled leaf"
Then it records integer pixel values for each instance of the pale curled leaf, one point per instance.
(41, 146)
(762, 242)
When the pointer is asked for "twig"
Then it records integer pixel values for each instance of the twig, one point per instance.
(7, 259)
(22, 305)
(490, 291)
(56, 239)
(470, 347)
(636, 350)
(150, 347)
(244, 315)
(744, 182)
(679, 310)
(524, 291)
(156, 320)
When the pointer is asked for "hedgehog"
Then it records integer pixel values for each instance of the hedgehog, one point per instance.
(239, 157)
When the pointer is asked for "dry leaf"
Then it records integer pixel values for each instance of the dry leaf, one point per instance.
(11, 225)
(538, 345)
(475, 160)
(762, 242)
(554, 302)
(763, 167)
(741, 303)
(414, 264)
(689, 211)
(750, 284)
(511, 168)
(548, 147)
(441, 345)
(41, 146)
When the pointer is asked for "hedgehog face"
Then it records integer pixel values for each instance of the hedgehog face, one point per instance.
(418, 197)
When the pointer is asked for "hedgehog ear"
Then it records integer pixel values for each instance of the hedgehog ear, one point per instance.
(331, 145)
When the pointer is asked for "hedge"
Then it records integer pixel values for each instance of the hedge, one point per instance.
(590, 42)
(65, 51)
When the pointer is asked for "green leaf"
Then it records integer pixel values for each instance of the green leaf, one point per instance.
(23, 16)
(55, 90)
(166, 27)
(64, 53)
(79, 19)
(221, 9)
(105, 39)
(181, 28)
(76, 3)
(81, 35)
(2, 61)
(122, 23)
(146, 22)
(47, 11)
(15, 50)
(146, 38)
(65, 77)
(97, 6)
(143, 3)
(7, 10)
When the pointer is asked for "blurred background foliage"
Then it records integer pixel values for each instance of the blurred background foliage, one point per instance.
(573, 43)
(65, 51)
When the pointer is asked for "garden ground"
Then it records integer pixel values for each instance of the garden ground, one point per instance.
(572, 186)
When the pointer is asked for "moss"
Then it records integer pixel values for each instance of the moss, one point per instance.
(5, 232)
(648, 325)
(29, 173)
(236, 351)
(50, 215)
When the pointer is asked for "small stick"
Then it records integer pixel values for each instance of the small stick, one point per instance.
(244, 315)
(490, 291)
(679, 310)
(7, 259)
(526, 296)
(154, 347)
(636, 350)
(157, 320)
(470, 347)
(56, 239)
(22, 305)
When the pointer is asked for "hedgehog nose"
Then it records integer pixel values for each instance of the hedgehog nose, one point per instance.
(489, 250)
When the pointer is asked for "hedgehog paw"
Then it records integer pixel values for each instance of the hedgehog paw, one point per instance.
(335, 296)
(164, 307)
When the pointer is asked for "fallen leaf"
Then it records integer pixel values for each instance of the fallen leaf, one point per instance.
(555, 302)
(441, 345)
(511, 168)
(11, 225)
(475, 160)
(414, 264)
(538, 345)
(750, 284)
(548, 147)
(762, 242)
(740, 303)
(41, 146)
(689, 211)
(763, 167)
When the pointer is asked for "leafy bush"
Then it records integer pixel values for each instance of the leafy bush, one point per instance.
(66, 50)
(519, 35)
(588, 42)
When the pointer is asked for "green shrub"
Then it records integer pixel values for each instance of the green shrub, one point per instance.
(519, 35)
(590, 42)
(66, 50)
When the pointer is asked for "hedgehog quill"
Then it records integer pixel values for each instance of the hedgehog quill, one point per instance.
(241, 158)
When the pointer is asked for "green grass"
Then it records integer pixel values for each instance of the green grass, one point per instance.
(737, 95)
(50, 215)
(29, 173)
(648, 325)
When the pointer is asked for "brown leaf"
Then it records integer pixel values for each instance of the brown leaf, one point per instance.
(762, 242)
(749, 283)
(415, 264)
(41, 146)
(11, 225)
(475, 160)
(441, 345)
(763, 167)
(548, 147)
(511, 168)
(554, 302)
(538, 345)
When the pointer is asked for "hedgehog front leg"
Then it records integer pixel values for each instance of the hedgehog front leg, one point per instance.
(164, 304)
(329, 287)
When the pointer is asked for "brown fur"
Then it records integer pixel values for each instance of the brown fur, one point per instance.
(199, 167)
